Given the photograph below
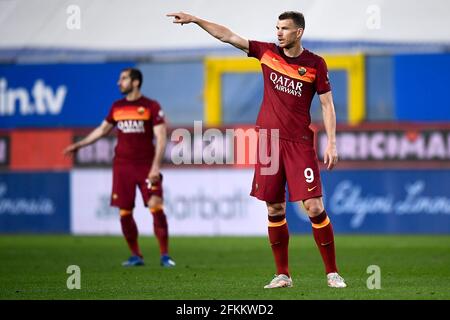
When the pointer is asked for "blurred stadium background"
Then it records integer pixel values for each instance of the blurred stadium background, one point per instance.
(389, 64)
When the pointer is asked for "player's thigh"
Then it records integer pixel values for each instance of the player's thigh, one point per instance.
(302, 171)
(124, 187)
(270, 188)
(268, 184)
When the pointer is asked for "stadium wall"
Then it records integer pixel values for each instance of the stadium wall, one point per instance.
(192, 205)
(45, 107)
(79, 95)
(390, 180)
(34, 202)
(417, 98)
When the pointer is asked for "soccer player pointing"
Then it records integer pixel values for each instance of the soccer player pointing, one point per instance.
(137, 161)
(292, 75)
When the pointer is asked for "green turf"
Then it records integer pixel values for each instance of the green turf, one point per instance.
(34, 267)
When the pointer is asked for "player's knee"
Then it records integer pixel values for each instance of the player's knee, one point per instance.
(314, 207)
(156, 206)
(155, 202)
(276, 209)
(315, 210)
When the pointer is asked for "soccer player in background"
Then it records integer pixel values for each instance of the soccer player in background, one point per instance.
(136, 161)
(292, 75)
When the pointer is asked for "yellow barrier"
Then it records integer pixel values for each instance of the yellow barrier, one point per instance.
(215, 67)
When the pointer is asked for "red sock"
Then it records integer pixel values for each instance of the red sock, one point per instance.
(130, 231)
(160, 229)
(279, 240)
(323, 234)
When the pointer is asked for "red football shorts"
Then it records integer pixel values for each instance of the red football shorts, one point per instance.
(297, 165)
(125, 179)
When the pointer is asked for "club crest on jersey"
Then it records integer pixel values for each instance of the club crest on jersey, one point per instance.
(301, 71)
(141, 110)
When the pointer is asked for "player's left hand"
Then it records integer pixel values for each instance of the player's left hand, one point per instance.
(154, 175)
(331, 157)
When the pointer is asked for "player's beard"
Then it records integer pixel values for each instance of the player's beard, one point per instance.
(126, 90)
(288, 45)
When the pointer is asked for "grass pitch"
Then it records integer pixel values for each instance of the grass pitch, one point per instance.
(225, 268)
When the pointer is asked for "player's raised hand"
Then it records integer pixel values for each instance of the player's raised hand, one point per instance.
(331, 157)
(181, 17)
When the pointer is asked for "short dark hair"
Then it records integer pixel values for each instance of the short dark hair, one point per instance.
(135, 74)
(296, 16)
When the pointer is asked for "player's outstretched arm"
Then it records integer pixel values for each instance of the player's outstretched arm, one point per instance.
(330, 157)
(102, 130)
(216, 30)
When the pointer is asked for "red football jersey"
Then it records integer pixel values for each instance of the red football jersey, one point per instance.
(135, 121)
(289, 87)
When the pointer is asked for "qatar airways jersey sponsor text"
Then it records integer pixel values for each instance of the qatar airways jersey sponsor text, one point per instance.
(287, 85)
(131, 126)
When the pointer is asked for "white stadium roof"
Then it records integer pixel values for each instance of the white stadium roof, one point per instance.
(118, 28)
